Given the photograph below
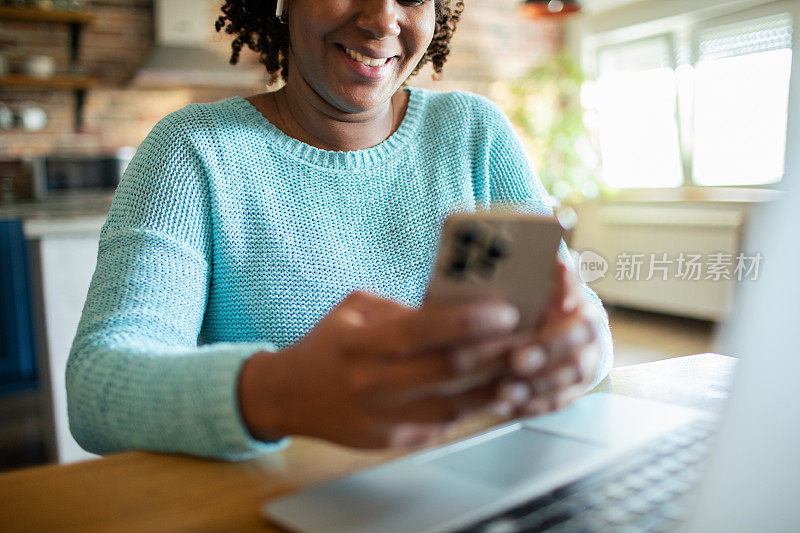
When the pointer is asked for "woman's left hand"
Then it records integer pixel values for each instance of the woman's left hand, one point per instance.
(557, 363)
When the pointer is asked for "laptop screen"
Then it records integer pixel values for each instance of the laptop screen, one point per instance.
(752, 473)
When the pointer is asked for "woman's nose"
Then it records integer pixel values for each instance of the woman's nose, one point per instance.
(379, 18)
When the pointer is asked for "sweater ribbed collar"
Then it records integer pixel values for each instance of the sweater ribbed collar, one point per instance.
(333, 160)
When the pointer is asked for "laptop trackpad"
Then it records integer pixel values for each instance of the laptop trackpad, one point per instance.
(516, 456)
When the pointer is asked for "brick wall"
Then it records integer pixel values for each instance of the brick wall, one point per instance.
(493, 43)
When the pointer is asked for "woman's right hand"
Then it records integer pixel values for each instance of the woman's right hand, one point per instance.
(374, 373)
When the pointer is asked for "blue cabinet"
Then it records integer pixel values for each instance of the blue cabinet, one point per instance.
(17, 343)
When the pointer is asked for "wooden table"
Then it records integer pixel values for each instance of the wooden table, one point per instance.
(141, 491)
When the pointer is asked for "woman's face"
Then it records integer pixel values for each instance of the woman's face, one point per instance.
(357, 53)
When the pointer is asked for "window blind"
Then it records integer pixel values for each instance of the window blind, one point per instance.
(748, 37)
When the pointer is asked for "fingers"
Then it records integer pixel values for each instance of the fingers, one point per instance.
(574, 337)
(560, 287)
(554, 388)
(360, 308)
(572, 289)
(555, 342)
(528, 360)
(513, 394)
(539, 405)
(384, 381)
(435, 326)
(578, 367)
(445, 409)
(402, 435)
(450, 371)
(467, 357)
(445, 325)
(566, 295)
(424, 422)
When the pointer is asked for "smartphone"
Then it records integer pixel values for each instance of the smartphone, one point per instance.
(501, 254)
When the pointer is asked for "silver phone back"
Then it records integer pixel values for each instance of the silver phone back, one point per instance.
(498, 254)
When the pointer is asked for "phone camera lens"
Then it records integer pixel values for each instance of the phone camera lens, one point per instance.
(457, 267)
(469, 236)
(499, 249)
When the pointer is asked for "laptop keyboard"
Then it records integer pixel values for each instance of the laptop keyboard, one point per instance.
(646, 491)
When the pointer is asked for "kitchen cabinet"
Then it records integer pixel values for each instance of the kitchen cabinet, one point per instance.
(61, 238)
(62, 266)
(17, 355)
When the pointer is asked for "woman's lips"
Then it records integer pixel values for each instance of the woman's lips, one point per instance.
(367, 71)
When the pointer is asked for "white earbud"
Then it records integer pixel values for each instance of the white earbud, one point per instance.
(279, 9)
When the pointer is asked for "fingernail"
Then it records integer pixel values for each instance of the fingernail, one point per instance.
(536, 407)
(503, 409)
(514, 393)
(529, 360)
(566, 397)
(505, 317)
(575, 336)
(565, 377)
(579, 335)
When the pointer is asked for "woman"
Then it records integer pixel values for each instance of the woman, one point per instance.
(263, 265)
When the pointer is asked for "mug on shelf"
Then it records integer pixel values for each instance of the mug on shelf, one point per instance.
(32, 117)
(6, 117)
(40, 66)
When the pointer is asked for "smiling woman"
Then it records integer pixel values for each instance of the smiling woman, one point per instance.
(263, 267)
(348, 60)
(255, 26)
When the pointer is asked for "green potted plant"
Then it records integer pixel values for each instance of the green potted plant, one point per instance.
(545, 107)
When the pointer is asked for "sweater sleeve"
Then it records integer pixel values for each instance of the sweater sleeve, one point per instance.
(136, 378)
(513, 180)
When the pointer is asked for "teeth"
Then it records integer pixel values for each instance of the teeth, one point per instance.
(368, 61)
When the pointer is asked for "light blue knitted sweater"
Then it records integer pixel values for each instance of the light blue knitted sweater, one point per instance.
(227, 237)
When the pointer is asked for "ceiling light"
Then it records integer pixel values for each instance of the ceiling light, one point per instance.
(550, 8)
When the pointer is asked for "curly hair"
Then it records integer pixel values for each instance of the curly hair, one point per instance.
(254, 24)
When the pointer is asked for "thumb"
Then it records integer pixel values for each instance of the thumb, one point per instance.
(364, 307)
(564, 295)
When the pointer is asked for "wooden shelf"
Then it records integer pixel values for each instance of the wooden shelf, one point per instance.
(53, 82)
(79, 85)
(46, 15)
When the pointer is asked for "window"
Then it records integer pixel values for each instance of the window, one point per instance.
(741, 99)
(700, 105)
(637, 106)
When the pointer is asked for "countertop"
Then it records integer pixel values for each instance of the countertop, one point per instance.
(77, 214)
(142, 491)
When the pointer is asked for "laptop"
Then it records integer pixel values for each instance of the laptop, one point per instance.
(614, 463)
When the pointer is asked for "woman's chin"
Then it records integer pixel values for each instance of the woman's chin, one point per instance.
(362, 101)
